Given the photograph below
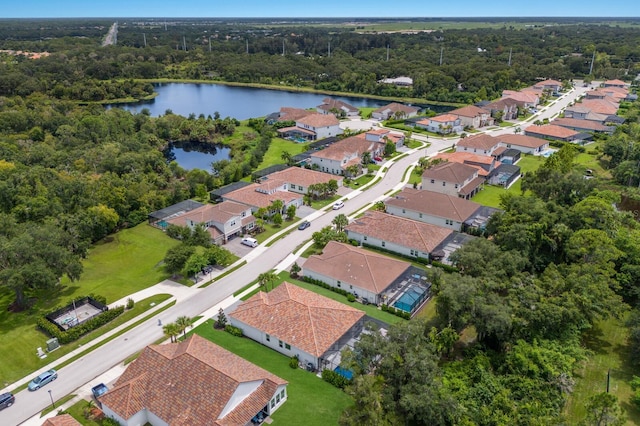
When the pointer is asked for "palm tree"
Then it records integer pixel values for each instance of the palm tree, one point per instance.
(276, 206)
(265, 278)
(379, 206)
(183, 323)
(340, 222)
(286, 157)
(171, 331)
(366, 157)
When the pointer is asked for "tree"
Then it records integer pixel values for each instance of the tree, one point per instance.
(366, 157)
(603, 409)
(380, 206)
(326, 234)
(277, 219)
(286, 157)
(389, 149)
(353, 170)
(367, 410)
(291, 212)
(295, 270)
(340, 221)
(171, 331)
(221, 321)
(276, 206)
(265, 278)
(176, 257)
(195, 263)
(183, 322)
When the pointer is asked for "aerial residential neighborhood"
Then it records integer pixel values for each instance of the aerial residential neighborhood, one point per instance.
(381, 221)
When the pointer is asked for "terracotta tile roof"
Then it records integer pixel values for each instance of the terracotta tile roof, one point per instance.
(346, 148)
(378, 132)
(194, 382)
(450, 172)
(220, 212)
(353, 265)
(552, 131)
(434, 204)
(500, 104)
(329, 103)
(481, 141)
(394, 107)
(300, 317)
(293, 114)
(548, 83)
(469, 111)
(318, 120)
(302, 176)
(615, 82)
(471, 186)
(499, 150)
(523, 140)
(297, 129)
(600, 106)
(522, 97)
(252, 196)
(466, 158)
(443, 118)
(399, 230)
(62, 420)
(580, 124)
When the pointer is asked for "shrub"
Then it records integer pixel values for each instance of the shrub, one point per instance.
(234, 331)
(351, 298)
(335, 379)
(130, 303)
(293, 362)
(221, 322)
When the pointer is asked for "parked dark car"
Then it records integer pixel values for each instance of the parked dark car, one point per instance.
(6, 400)
(99, 390)
(304, 225)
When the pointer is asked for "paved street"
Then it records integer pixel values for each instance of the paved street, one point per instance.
(194, 302)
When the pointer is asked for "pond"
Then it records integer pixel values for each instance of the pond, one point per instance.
(190, 155)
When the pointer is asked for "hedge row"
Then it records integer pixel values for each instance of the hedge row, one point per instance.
(337, 380)
(80, 330)
(397, 312)
(234, 331)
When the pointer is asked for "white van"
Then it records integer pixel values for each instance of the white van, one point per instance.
(251, 242)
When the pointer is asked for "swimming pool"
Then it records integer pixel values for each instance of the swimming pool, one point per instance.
(412, 297)
(347, 374)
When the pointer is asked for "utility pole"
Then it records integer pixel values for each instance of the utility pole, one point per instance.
(387, 53)
(184, 44)
(144, 36)
(593, 58)
(329, 50)
(282, 47)
(209, 44)
(510, 50)
(247, 46)
(441, 52)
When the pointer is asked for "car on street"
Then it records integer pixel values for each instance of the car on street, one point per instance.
(338, 205)
(43, 379)
(304, 225)
(6, 400)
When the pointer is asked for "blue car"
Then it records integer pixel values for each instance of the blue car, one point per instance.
(43, 379)
(304, 225)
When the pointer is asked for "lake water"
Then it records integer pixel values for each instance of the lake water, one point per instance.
(195, 155)
(232, 101)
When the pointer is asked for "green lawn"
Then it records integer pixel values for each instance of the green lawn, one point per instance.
(311, 401)
(608, 342)
(77, 412)
(270, 229)
(273, 155)
(128, 262)
(19, 341)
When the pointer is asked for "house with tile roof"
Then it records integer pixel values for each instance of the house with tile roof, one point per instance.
(385, 135)
(438, 209)
(398, 234)
(583, 125)
(193, 382)
(61, 420)
(553, 86)
(615, 83)
(337, 108)
(361, 272)
(223, 220)
(339, 156)
(505, 108)
(263, 194)
(313, 126)
(394, 110)
(451, 178)
(524, 98)
(523, 143)
(299, 179)
(601, 106)
(442, 124)
(292, 114)
(551, 131)
(298, 322)
(472, 116)
(484, 164)
(481, 144)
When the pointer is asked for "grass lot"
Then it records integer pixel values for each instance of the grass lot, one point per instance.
(360, 181)
(273, 155)
(490, 195)
(128, 262)
(18, 344)
(370, 310)
(311, 401)
(607, 340)
(270, 229)
(76, 411)
(365, 112)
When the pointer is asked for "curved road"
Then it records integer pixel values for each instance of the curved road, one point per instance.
(114, 352)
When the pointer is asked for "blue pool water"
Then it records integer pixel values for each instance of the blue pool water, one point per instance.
(347, 374)
(411, 298)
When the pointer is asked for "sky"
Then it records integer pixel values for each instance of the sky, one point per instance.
(323, 8)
